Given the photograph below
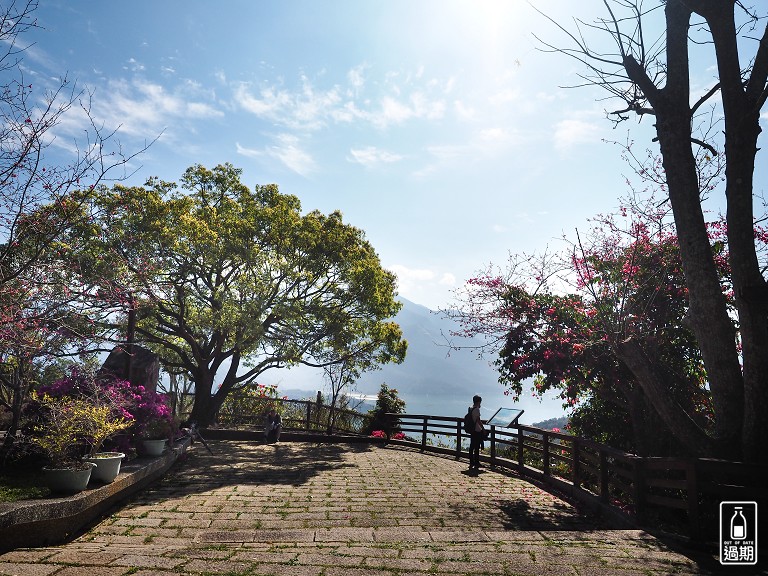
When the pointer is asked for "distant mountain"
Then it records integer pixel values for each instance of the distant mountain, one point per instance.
(552, 423)
(433, 379)
(362, 405)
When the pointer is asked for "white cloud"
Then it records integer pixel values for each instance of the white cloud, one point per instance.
(406, 275)
(424, 286)
(505, 97)
(268, 105)
(464, 111)
(392, 112)
(248, 152)
(448, 279)
(372, 156)
(141, 109)
(493, 135)
(202, 110)
(356, 77)
(307, 109)
(288, 151)
(484, 144)
(570, 133)
(310, 108)
(134, 65)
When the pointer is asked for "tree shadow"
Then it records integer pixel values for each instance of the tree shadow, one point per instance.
(236, 463)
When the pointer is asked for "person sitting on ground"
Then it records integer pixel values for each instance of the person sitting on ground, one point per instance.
(273, 425)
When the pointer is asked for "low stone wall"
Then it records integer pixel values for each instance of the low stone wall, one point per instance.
(55, 520)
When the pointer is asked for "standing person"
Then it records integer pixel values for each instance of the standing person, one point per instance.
(477, 434)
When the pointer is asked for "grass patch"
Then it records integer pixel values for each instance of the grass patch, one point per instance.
(21, 486)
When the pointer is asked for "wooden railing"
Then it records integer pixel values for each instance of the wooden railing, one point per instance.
(678, 494)
(303, 415)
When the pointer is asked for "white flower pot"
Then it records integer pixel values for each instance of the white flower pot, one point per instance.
(107, 465)
(153, 447)
(68, 480)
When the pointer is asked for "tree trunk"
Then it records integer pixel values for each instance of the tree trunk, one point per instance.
(650, 379)
(707, 305)
(742, 128)
(640, 432)
(203, 410)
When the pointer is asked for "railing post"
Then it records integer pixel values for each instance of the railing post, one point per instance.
(308, 423)
(424, 434)
(576, 466)
(545, 441)
(638, 479)
(604, 494)
(692, 487)
(458, 440)
(520, 453)
(493, 445)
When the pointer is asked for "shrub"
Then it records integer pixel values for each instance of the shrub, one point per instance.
(71, 427)
(139, 407)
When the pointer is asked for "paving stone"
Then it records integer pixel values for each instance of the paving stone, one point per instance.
(288, 535)
(401, 535)
(148, 561)
(28, 555)
(303, 509)
(19, 569)
(94, 571)
(458, 536)
(226, 536)
(87, 557)
(344, 535)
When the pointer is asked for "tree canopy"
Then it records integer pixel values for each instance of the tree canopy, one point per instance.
(228, 282)
(562, 320)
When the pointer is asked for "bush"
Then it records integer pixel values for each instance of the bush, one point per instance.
(387, 402)
(139, 407)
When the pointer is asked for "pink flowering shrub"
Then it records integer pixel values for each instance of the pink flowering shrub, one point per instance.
(382, 434)
(147, 409)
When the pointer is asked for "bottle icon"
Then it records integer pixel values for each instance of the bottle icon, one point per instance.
(738, 525)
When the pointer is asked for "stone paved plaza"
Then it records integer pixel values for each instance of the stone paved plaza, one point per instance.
(304, 509)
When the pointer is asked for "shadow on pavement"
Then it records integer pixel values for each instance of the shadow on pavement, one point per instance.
(245, 463)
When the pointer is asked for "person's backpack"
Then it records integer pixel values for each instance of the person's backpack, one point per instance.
(469, 422)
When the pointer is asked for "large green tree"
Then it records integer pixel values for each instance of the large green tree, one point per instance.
(649, 71)
(228, 282)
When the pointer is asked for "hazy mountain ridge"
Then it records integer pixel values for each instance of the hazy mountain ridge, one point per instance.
(433, 379)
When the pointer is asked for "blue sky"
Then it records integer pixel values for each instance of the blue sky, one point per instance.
(435, 126)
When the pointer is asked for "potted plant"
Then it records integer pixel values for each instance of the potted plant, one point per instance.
(59, 434)
(154, 434)
(102, 423)
(101, 409)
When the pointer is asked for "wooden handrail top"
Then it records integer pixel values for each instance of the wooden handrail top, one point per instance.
(427, 416)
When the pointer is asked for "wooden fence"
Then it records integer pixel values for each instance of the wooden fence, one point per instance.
(676, 494)
(300, 415)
